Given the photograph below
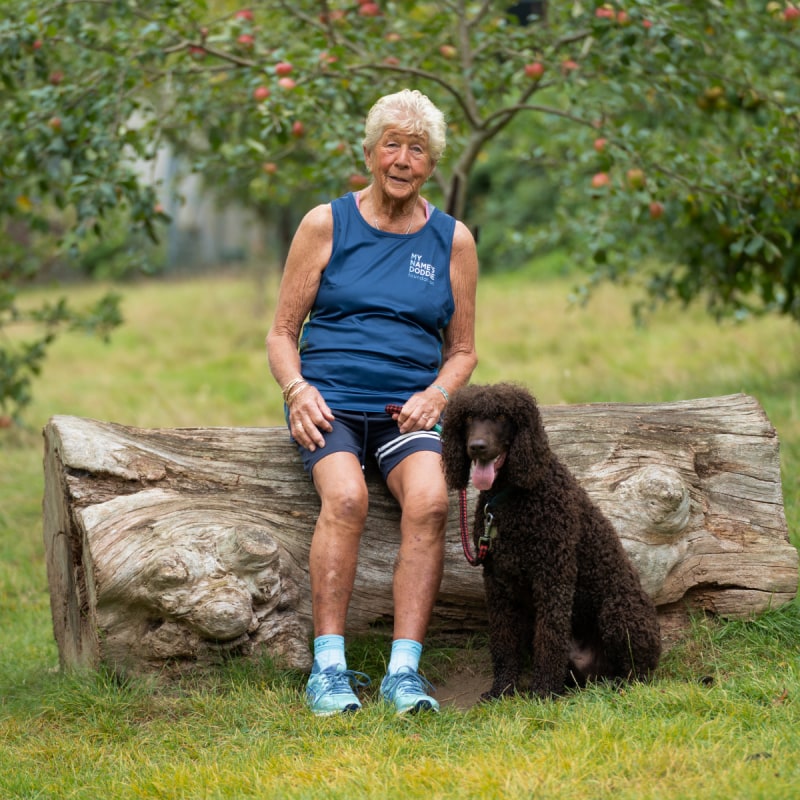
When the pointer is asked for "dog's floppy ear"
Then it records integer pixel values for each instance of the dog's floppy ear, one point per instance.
(454, 440)
(529, 452)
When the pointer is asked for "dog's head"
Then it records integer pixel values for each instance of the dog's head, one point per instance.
(494, 434)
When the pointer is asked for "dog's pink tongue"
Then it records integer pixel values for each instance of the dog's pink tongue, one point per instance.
(483, 475)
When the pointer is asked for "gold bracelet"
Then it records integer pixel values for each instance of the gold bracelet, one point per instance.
(301, 387)
(289, 386)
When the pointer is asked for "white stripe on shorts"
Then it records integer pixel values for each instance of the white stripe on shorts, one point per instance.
(400, 441)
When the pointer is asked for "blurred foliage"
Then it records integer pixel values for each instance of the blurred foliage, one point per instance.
(656, 140)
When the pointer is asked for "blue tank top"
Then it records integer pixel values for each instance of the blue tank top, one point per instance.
(374, 334)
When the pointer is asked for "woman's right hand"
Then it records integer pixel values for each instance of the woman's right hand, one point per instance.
(309, 417)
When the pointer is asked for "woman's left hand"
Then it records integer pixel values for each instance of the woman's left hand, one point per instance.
(421, 411)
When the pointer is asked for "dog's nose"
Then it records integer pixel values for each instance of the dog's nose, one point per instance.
(477, 448)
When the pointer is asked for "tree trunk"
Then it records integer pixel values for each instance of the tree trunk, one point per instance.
(177, 548)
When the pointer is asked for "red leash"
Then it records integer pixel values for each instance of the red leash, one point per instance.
(483, 545)
(393, 408)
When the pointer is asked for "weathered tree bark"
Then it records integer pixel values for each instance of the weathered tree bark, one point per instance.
(173, 549)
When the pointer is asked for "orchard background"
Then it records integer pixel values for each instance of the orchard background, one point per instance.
(652, 144)
(655, 142)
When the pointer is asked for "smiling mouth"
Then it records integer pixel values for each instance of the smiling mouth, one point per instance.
(483, 473)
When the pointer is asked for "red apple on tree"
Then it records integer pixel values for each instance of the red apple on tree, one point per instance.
(246, 40)
(55, 123)
(534, 70)
(357, 181)
(245, 14)
(656, 209)
(600, 144)
(605, 12)
(287, 83)
(791, 13)
(448, 51)
(270, 167)
(569, 66)
(298, 129)
(261, 93)
(283, 68)
(369, 10)
(600, 180)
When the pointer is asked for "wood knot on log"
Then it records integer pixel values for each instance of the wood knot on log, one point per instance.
(660, 498)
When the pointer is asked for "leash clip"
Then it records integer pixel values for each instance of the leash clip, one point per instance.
(485, 541)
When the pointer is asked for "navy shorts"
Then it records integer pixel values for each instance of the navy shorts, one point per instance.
(367, 434)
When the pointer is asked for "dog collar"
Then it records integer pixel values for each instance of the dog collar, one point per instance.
(490, 532)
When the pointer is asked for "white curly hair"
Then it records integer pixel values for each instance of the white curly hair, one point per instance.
(409, 110)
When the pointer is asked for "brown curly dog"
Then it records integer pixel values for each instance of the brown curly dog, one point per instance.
(560, 588)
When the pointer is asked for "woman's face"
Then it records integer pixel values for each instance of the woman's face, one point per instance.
(400, 163)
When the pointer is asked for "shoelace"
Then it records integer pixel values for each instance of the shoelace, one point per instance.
(343, 681)
(410, 681)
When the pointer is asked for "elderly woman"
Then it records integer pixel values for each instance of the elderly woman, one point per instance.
(385, 284)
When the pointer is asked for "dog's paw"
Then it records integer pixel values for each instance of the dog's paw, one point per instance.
(550, 692)
(497, 693)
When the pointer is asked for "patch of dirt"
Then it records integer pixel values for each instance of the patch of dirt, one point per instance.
(463, 689)
(466, 681)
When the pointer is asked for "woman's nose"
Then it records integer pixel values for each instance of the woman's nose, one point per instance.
(403, 156)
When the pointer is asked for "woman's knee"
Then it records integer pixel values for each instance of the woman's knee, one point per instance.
(347, 502)
(428, 508)
(341, 487)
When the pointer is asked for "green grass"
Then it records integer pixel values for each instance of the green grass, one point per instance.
(721, 720)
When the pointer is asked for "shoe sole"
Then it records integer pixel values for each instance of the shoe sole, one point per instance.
(351, 709)
(420, 705)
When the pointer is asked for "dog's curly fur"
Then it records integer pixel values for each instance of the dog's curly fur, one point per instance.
(559, 586)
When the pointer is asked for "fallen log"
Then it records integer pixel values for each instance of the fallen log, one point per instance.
(173, 549)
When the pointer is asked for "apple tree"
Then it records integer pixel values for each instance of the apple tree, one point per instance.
(667, 130)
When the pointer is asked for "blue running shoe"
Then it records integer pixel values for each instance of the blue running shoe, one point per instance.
(408, 690)
(332, 690)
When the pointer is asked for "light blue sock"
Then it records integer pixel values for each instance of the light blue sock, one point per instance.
(405, 653)
(329, 651)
